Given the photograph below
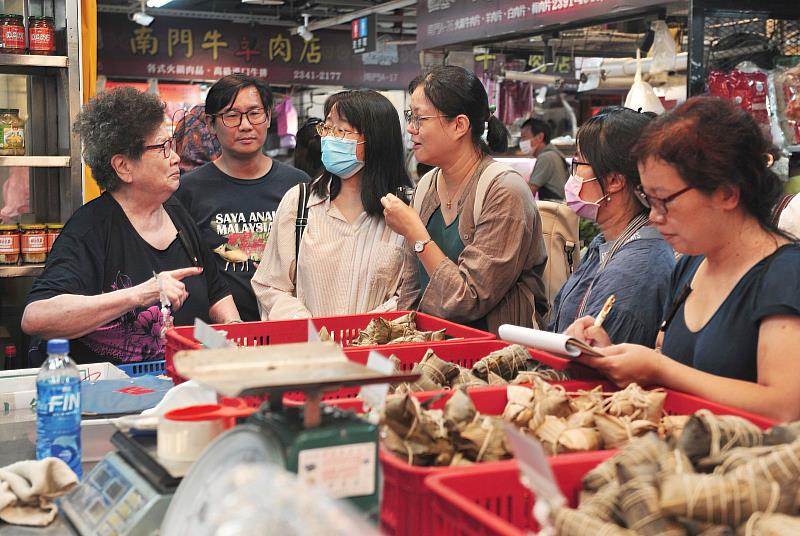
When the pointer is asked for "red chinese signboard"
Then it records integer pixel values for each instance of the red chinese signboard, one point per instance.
(446, 22)
(206, 50)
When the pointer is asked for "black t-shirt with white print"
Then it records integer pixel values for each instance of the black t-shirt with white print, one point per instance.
(100, 251)
(234, 217)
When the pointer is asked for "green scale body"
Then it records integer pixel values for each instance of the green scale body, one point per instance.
(341, 454)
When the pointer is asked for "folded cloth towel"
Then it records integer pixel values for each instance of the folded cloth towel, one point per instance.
(27, 489)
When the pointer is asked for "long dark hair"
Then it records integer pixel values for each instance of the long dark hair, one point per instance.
(606, 140)
(712, 142)
(374, 116)
(456, 91)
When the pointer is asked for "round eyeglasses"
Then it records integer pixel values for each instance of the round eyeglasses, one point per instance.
(166, 147)
(233, 118)
(325, 129)
(414, 119)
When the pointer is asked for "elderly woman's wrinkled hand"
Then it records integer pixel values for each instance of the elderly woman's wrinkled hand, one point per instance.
(402, 219)
(584, 329)
(170, 282)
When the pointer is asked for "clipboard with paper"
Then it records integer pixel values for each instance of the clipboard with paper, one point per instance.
(555, 343)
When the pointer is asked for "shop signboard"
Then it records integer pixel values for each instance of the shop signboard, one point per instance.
(447, 22)
(363, 33)
(205, 50)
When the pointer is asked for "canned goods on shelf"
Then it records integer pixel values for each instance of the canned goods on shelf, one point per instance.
(9, 244)
(33, 243)
(53, 230)
(41, 35)
(12, 34)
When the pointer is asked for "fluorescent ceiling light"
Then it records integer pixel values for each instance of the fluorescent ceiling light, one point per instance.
(157, 3)
(264, 2)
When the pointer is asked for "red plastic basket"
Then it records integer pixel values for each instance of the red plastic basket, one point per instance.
(405, 507)
(465, 354)
(489, 499)
(343, 329)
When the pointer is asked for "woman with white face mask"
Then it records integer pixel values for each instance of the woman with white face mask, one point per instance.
(629, 258)
(348, 261)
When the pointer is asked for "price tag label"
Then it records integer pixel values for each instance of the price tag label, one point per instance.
(343, 471)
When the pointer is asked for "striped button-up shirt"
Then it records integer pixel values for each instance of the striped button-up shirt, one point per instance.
(344, 268)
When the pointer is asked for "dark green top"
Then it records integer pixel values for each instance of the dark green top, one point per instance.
(449, 241)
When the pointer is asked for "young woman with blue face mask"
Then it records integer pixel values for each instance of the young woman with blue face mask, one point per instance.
(349, 261)
(629, 258)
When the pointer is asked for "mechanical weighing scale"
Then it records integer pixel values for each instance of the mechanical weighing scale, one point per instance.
(131, 491)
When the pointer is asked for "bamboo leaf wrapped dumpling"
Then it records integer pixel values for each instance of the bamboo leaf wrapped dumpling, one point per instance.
(707, 434)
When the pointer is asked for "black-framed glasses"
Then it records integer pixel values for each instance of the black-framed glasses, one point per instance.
(659, 204)
(326, 129)
(166, 147)
(233, 118)
(414, 119)
(573, 167)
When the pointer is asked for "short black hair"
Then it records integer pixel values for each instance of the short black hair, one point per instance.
(456, 91)
(606, 142)
(223, 93)
(116, 122)
(374, 116)
(537, 126)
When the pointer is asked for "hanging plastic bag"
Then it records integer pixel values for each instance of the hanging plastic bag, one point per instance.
(663, 50)
(641, 96)
(286, 118)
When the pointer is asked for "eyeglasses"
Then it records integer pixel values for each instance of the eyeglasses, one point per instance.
(659, 204)
(166, 147)
(233, 118)
(325, 129)
(414, 119)
(574, 165)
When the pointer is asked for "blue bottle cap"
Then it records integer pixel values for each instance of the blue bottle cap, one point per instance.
(57, 346)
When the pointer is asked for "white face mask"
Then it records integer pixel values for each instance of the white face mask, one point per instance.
(525, 146)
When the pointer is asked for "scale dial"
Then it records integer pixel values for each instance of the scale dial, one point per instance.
(188, 511)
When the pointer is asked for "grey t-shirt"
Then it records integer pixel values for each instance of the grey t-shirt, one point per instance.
(550, 174)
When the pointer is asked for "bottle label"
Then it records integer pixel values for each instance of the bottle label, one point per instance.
(51, 238)
(13, 37)
(13, 137)
(9, 243)
(58, 423)
(42, 39)
(34, 243)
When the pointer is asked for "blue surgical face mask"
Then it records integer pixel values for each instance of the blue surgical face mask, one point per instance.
(339, 157)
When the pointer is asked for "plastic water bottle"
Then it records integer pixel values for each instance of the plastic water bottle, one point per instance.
(58, 407)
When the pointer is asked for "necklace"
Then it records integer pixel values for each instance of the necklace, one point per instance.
(458, 188)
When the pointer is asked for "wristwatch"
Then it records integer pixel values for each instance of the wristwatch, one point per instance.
(419, 245)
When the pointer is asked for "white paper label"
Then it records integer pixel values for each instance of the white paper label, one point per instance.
(343, 471)
(374, 396)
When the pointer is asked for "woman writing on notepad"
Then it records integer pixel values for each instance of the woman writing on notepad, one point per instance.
(629, 258)
(733, 319)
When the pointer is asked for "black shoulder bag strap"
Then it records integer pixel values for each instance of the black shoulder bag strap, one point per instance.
(301, 220)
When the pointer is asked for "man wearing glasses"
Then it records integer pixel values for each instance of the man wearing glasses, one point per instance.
(233, 199)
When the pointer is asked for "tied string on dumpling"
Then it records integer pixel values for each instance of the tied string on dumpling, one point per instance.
(740, 431)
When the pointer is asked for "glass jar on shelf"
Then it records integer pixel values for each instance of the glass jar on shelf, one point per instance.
(12, 34)
(53, 230)
(33, 243)
(12, 133)
(9, 244)
(41, 36)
